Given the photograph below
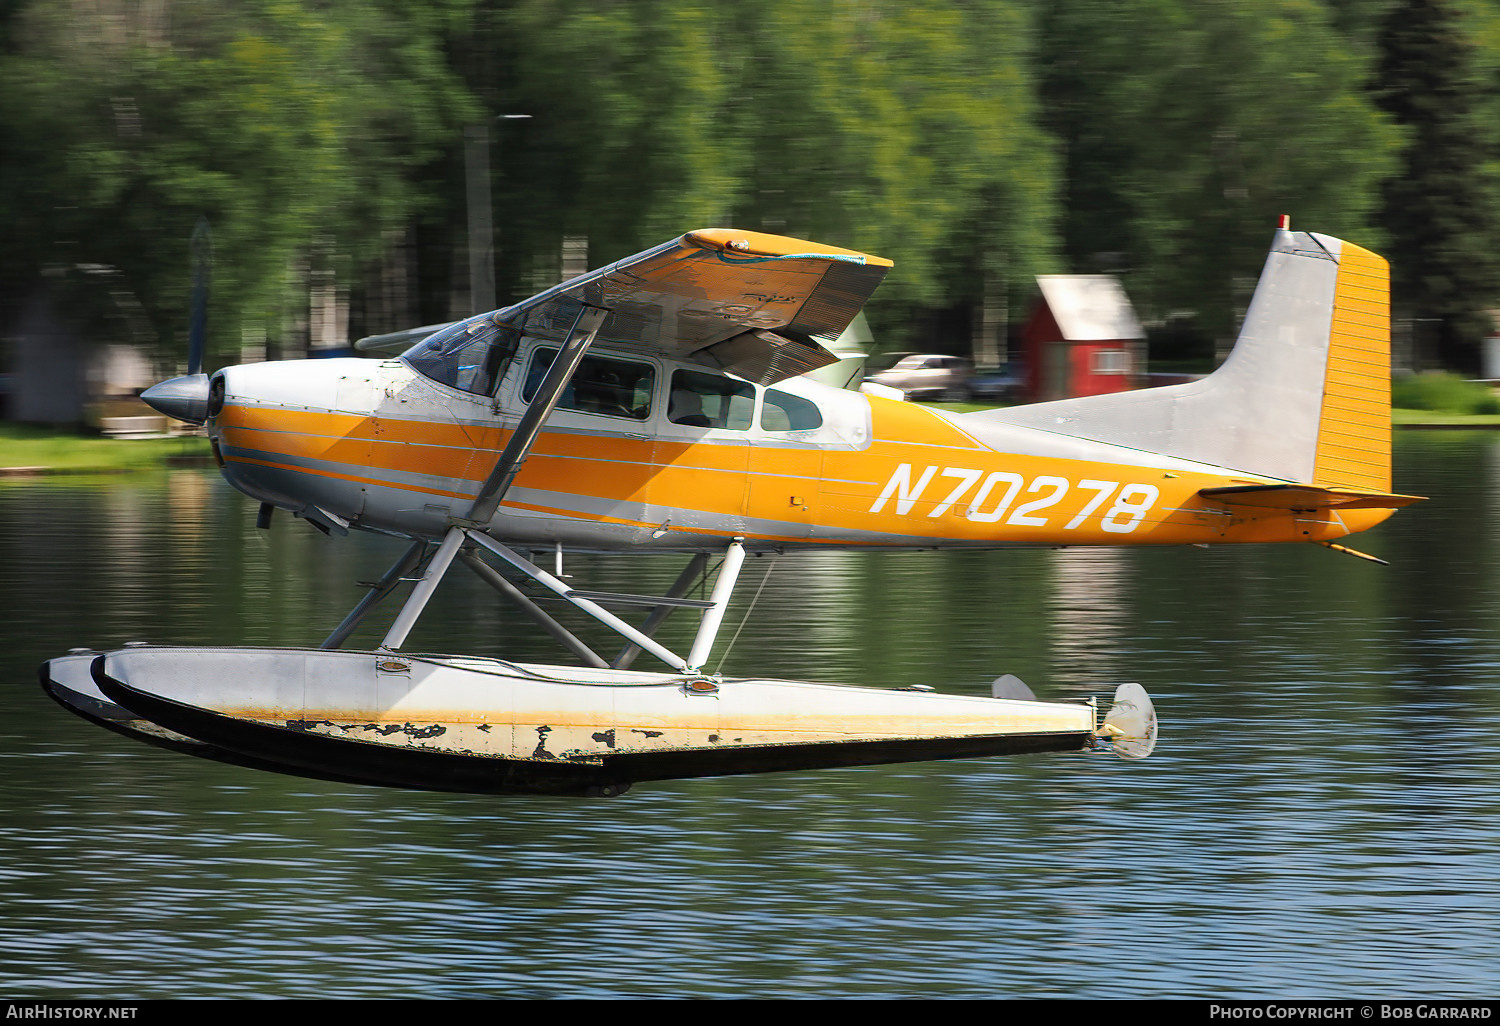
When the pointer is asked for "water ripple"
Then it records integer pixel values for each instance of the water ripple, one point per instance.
(1320, 819)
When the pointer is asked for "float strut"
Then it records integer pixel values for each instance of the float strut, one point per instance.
(412, 557)
(417, 601)
(680, 587)
(708, 629)
(560, 633)
(581, 602)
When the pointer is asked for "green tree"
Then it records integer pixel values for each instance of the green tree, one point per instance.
(1441, 208)
(318, 139)
(622, 146)
(1358, 18)
(297, 131)
(908, 130)
(1189, 127)
(903, 129)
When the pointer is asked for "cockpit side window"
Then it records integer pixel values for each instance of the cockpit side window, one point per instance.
(471, 355)
(786, 412)
(614, 388)
(710, 400)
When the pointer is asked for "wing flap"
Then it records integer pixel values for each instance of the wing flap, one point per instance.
(1306, 497)
(758, 305)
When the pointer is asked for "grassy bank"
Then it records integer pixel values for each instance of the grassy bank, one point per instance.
(1436, 399)
(68, 452)
(1438, 419)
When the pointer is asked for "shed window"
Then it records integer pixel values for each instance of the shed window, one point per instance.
(1111, 361)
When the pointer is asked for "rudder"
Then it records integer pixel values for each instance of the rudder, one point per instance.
(1354, 433)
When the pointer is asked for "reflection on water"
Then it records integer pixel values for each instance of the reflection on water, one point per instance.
(1090, 613)
(1320, 819)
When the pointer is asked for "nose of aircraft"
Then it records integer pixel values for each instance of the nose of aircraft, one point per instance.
(184, 398)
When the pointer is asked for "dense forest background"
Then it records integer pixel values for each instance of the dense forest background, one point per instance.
(341, 153)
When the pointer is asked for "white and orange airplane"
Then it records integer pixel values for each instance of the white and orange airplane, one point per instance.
(661, 404)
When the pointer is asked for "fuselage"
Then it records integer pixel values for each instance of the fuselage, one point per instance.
(645, 453)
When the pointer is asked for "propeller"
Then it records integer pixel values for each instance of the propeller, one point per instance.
(203, 255)
(1130, 724)
(185, 398)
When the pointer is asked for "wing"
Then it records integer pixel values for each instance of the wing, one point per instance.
(761, 306)
(398, 341)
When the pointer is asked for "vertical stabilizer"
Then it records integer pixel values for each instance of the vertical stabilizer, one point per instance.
(1304, 395)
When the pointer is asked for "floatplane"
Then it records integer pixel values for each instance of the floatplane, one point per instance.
(662, 404)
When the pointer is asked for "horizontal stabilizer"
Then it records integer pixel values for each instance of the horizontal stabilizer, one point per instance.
(1306, 497)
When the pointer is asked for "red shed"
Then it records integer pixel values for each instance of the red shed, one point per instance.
(1083, 338)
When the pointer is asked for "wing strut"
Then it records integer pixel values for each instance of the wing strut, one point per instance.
(469, 530)
(579, 338)
(464, 531)
(585, 325)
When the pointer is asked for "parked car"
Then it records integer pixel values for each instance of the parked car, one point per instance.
(929, 376)
(879, 363)
(997, 386)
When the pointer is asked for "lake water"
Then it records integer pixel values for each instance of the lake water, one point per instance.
(1320, 819)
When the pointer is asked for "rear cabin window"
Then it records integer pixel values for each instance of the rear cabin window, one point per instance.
(786, 412)
(711, 401)
(613, 388)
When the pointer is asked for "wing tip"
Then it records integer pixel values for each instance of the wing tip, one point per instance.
(735, 240)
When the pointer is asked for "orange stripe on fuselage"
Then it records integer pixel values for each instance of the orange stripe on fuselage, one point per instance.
(467, 452)
(333, 475)
(827, 492)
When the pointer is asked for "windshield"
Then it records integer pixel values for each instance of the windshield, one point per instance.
(471, 355)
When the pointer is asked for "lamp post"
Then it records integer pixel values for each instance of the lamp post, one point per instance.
(481, 217)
